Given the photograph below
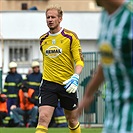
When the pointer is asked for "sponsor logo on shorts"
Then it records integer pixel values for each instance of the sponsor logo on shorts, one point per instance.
(39, 100)
(74, 105)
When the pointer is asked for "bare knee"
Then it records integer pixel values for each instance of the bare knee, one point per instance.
(72, 120)
(45, 116)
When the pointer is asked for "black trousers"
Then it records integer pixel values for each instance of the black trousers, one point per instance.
(2, 116)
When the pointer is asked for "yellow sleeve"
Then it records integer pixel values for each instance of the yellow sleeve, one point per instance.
(42, 38)
(77, 51)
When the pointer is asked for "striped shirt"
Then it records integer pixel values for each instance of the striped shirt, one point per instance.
(115, 45)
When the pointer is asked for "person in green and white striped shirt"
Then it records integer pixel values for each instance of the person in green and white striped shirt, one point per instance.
(116, 48)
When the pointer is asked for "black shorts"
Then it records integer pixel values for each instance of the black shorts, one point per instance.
(51, 92)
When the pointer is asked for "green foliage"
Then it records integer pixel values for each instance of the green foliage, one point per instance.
(51, 130)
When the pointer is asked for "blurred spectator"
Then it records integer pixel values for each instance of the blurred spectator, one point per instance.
(12, 85)
(3, 108)
(59, 117)
(34, 79)
(25, 107)
(33, 8)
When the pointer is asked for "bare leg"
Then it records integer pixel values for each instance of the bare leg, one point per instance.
(72, 119)
(45, 115)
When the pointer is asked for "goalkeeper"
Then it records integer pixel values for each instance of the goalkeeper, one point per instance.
(62, 64)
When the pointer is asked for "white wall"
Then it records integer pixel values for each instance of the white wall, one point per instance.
(89, 45)
(30, 25)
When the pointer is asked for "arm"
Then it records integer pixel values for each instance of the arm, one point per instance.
(32, 99)
(91, 88)
(77, 54)
(71, 84)
(5, 90)
(78, 69)
(19, 82)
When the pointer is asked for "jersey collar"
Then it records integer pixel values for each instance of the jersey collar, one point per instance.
(116, 13)
(56, 33)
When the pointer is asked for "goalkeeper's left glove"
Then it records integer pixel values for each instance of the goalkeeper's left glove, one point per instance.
(71, 84)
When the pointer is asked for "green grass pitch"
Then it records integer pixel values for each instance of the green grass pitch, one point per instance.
(51, 130)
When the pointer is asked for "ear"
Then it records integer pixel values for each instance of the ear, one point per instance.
(60, 19)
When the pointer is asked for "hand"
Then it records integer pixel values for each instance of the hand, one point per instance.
(13, 107)
(71, 84)
(26, 94)
(84, 104)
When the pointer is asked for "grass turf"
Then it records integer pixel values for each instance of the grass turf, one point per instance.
(51, 130)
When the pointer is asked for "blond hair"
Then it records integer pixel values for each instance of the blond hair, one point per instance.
(56, 7)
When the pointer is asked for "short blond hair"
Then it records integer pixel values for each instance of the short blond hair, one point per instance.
(56, 7)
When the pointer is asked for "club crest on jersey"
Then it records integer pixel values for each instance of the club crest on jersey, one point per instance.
(106, 52)
(53, 51)
(53, 41)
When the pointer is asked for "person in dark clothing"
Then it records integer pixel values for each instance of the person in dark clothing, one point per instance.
(59, 117)
(12, 85)
(25, 107)
(34, 79)
(3, 108)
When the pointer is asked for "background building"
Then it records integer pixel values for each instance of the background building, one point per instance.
(67, 5)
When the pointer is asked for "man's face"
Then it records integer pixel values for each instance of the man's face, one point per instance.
(36, 69)
(13, 70)
(53, 19)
